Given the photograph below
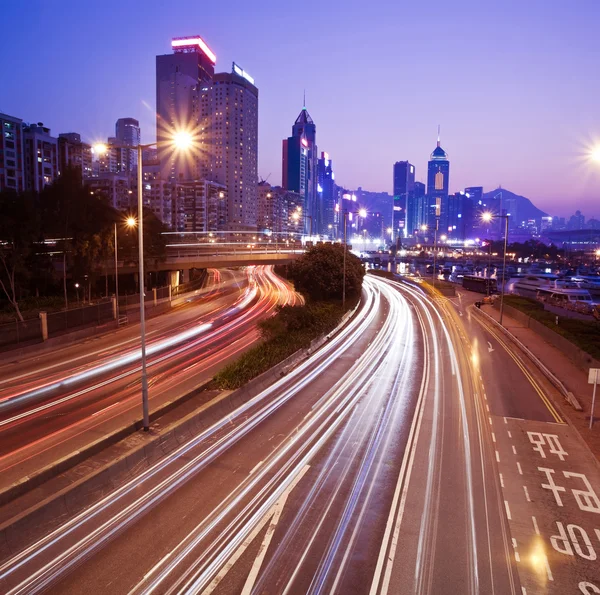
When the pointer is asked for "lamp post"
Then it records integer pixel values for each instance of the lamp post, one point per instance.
(130, 222)
(181, 140)
(488, 217)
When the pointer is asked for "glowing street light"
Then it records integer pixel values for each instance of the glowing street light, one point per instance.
(487, 217)
(362, 213)
(595, 154)
(130, 222)
(183, 140)
(423, 227)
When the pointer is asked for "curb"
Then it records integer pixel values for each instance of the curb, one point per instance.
(567, 395)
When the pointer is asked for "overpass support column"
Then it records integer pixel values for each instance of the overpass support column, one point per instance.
(185, 276)
(173, 278)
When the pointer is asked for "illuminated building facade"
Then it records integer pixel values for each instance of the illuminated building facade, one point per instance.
(12, 169)
(327, 197)
(299, 167)
(179, 78)
(40, 157)
(438, 175)
(404, 185)
(228, 143)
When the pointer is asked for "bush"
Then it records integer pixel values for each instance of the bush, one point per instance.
(319, 273)
(293, 328)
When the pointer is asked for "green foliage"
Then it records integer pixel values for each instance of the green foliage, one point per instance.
(293, 328)
(585, 334)
(81, 220)
(318, 274)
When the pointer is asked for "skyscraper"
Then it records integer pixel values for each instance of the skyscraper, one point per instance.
(228, 143)
(438, 174)
(299, 172)
(417, 209)
(326, 196)
(404, 185)
(180, 76)
(127, 132)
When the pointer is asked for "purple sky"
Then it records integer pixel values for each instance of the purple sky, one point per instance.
(515, 86)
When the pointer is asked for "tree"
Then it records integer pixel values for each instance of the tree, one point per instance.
(319, 273)
(19, 234)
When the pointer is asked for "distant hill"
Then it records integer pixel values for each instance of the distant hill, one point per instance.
(519, 207)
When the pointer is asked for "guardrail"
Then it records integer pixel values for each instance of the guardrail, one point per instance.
(567, 395)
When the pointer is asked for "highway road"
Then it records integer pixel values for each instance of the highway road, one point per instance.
(58, 403)
(384, 463)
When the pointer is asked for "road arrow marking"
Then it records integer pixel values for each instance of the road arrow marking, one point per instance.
(490, 348)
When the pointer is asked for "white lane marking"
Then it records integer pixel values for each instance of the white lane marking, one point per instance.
(105, 409)
(490, 348)
(524, 590)
(505, 421)
(519, 468)
(501, 480)
(249, 584)
(517, 557)
(514, 450)
(548, 571)
(490, 420)
(413, 439)
(487, 407)
(497, 456)
(271, 513)
(256, 467)
(485, 395)
(509, 433)
(526, 493)
(493, 437)
(535, 525)
(507, 510)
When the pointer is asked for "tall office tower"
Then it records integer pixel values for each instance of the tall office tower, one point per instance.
(74, 153)
(127, 134)
(476, 194)
(404, 185)
(417, 209)
(228, 143)
(327, 198)
(180, 76)
(40, 156)
(438, 174)
(299, 172)
(12, 168)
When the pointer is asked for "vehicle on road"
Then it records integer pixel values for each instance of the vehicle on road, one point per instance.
(480, 284)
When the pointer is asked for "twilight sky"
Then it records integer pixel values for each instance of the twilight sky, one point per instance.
(514, 85)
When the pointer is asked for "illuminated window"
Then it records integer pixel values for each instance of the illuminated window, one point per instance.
(439, 181)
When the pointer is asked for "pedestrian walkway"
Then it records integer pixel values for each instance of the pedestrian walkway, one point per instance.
(572, 376)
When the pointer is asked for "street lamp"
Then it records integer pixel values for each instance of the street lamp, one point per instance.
(129, 222)
(487, 217)
(182, 140)
(77, 290)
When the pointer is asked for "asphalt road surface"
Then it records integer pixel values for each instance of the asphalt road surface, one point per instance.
(385, 463)
(55, 404)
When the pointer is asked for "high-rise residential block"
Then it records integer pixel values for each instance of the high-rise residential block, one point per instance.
(180, 77)
(72, 152)
(227, 151)
(12, 167)
(40, 157)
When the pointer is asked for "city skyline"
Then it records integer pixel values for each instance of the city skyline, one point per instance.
(491, 137)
